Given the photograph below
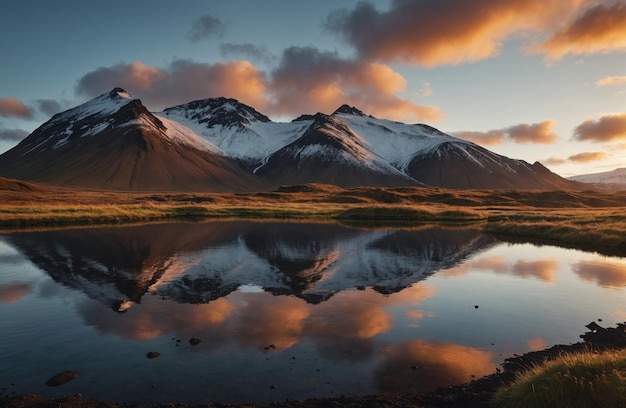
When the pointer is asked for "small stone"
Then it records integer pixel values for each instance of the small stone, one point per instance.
(62, 378)
(153, 354)
(194, 341)
(273, 387)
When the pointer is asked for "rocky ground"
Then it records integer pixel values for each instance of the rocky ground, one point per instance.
(472, 395)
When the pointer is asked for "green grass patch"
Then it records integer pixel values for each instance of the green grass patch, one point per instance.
(573, 380)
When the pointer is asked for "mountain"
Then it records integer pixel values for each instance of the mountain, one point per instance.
(614, 180)
(219, 144)
(349, 148)
(114, 142)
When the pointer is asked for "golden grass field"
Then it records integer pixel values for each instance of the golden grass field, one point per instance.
(585, 220)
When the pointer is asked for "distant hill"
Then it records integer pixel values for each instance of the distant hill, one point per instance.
(614, 180)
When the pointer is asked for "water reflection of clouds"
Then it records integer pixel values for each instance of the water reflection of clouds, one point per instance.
(12, 292)
(604, 274)
(342, 327)
(536, 344)
(543, 270)
(420, 366)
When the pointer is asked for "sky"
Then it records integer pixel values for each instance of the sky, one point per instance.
(538, 80)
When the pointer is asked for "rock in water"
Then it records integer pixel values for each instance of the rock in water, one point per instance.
(62, 378)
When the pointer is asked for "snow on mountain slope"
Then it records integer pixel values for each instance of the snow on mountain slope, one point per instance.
(395, 142)
(236, 129)
(617, 176)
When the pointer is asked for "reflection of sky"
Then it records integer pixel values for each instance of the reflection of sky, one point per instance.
(361, 341)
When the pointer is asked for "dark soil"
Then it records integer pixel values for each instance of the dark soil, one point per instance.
(471, 395)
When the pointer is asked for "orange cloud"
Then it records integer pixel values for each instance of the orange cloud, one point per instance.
(431, 33)
(11, 107)
(612, 275)
(606, 128)
(587, 157)
(537, 344)
(599, 29)
(543, 270)
(12, 292)
(535, 133)
(306, 80)
(421, 366)
(523, 133)
(611, 81)
(182, 81)
(279, 322)
(553, 161)
(310, 80)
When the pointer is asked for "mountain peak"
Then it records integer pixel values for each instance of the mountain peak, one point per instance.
(350, 110)
(120, 92)
(218, 111)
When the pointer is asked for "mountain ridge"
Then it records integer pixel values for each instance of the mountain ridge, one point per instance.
(220, 144)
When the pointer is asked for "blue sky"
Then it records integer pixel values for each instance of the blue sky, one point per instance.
(530, 79)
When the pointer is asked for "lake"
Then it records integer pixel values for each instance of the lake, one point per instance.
(284, 310)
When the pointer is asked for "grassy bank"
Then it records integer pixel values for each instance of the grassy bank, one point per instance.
(583, 220)
(585, 379)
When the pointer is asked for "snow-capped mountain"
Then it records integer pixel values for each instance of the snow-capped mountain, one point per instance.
(114, 142)
(612, 180)
(220, 144)
(119, 266)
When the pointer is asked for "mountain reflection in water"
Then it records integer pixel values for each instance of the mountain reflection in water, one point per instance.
(198, 263)
(284, 310)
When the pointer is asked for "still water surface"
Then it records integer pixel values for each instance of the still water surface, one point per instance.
(284, 310)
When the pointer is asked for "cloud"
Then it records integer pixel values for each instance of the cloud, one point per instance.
(553, 161)
(536, 344)
(49, 107)
(600, 29)
(543, 269)
(12, 108)
(204, 27)
(587, 157)
(309, 80)
(605, 274)
(306, 80)
(12, 292)
(421, 366)
(611, 81)
(524, 133)
(606, 128)
(426, 89)
(247, 50)
(431, 33)
(12, 135)
(584, 157)
(182, 81)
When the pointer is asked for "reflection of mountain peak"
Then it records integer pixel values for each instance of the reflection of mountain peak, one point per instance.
(118, 266)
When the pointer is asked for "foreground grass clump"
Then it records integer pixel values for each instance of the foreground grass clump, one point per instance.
(573, 380)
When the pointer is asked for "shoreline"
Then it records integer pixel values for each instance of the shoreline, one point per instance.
(474, 394)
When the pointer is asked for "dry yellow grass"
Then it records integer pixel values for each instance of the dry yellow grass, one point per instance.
(586, 220)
